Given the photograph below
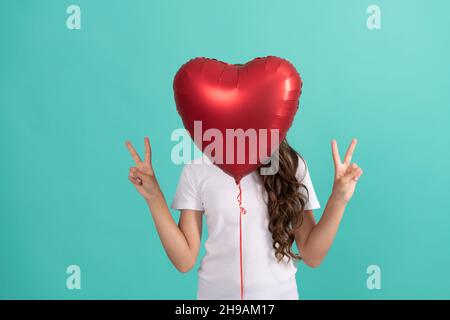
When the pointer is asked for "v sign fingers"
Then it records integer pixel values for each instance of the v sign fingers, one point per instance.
(142, 175)
(133, 153)
(148, 151)
(335, 152)
(146, 165)
(350, 150)
(346, 173)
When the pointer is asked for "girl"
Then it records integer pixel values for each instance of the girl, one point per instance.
(278, 211)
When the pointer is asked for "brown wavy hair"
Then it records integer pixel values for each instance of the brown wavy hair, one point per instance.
(285, 202)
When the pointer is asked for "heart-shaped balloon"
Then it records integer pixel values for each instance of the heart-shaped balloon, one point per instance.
(226, 108)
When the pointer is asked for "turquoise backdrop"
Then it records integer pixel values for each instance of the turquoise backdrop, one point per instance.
(70, 98)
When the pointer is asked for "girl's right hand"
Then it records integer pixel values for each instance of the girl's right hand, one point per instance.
(142, 175)
(346, 173)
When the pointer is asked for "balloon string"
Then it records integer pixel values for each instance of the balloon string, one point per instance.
(242, 211)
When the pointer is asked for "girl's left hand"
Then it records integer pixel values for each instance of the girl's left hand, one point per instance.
(346, 173)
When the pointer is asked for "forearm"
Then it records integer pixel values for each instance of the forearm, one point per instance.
(171, 236)
(322, 235)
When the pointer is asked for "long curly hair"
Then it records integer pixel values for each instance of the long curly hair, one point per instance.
(285, 202)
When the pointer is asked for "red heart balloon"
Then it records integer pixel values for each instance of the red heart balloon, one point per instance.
(259, 97)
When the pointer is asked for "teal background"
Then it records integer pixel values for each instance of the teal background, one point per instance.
(70, 98)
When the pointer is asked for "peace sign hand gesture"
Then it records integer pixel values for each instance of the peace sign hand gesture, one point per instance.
(142, 175)
(346, 173)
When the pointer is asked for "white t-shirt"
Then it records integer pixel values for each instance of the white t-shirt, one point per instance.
(205, 187)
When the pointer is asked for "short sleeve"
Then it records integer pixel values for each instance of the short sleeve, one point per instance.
(303, 176)
(187, 195)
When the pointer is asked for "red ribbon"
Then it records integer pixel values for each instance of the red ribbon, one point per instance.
(242, 211)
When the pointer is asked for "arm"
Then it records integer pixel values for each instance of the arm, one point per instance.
(314, 240)
(181, 242)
